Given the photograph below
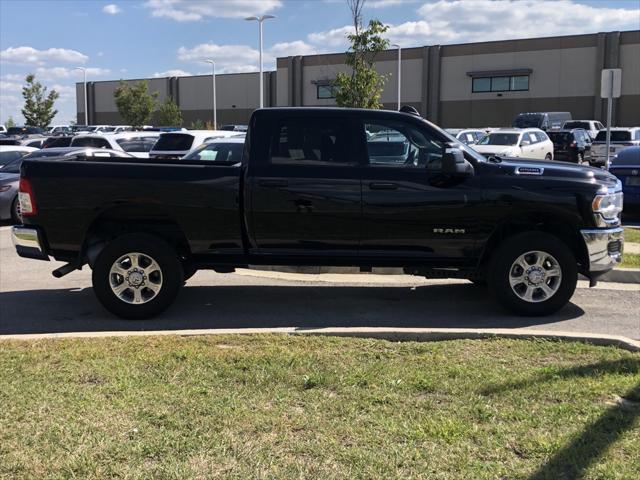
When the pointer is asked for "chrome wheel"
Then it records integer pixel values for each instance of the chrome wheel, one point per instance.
(535, 276)
(135, 278)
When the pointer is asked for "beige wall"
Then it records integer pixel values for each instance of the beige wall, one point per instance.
(630, 64)
(282, 87)
(232, 91)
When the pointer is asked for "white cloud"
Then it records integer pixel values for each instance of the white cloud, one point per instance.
(14, 77)
(460, 21)
(172, 73)
(194, 10)
(33, 56)
(63, 72)
(286, 49)
(387, 3)
(111, 9)
(7, 86)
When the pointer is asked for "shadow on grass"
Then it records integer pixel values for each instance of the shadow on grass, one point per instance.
(627, 366)
(572, 461)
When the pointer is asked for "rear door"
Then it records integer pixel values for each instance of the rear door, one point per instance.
(305, 188)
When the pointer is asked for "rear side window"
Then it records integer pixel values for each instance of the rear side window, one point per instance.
(169, 142)
(584, 125)
(137, 144)
(561, 137)
(52, 142)
(616, 136)
(90, 142)
(310, 141)
(228, 153)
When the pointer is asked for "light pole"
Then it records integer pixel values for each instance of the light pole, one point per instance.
(86, 107)
(213, 81)
(399, 71)
(260, 19)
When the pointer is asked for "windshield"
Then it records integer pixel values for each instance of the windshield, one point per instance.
(10, 156)
(218, 152)
(584, 125)
(616, 136)
(500, 139)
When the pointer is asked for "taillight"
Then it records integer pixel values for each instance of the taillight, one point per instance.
(27, 199)
(573, 144)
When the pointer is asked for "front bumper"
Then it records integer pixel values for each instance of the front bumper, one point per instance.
(28, 242)
(605, 248)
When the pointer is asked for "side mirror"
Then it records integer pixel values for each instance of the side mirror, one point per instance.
(454, 163)
(524, 143)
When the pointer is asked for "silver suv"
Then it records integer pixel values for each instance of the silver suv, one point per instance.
(621, 138)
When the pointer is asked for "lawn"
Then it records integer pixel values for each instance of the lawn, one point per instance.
(632, 235)
(630, 260)
(285, 407)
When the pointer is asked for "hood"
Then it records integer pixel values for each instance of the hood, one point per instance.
(493, 148)
(558, 170)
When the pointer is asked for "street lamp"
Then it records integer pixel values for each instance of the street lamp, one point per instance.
(86, 107)
(399, 71)
(260, 19)
(213, 81)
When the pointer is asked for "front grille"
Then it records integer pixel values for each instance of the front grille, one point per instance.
(614, 247)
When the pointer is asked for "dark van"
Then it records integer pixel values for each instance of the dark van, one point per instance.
(541, 120)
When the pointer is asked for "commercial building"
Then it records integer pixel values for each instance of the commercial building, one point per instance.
(464, 85)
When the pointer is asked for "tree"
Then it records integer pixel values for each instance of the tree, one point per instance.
(196, 125)
(38, 105)
(10, 123)
(363, 87)
(169, 114)
(135, 103)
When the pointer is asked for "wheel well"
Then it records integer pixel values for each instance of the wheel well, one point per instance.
(120, 221)
(558, 227)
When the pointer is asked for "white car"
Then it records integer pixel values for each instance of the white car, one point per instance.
(137, 144)
(591, 126)
(621, 138)
(173, 145)
(227, 151)
(3, 129)
(468, 136)
(516, 142)
(9, 153)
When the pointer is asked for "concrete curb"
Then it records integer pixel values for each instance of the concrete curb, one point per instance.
(382, 333)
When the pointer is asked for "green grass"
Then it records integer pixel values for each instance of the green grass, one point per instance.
(632, 235)
(630, 260)
(283, 407)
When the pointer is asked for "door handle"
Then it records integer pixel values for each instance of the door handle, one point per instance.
(273, 183)
(383, 186)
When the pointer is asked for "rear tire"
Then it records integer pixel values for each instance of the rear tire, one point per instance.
(533, 274)
(15, 211)
(548, 156)
(137, 276)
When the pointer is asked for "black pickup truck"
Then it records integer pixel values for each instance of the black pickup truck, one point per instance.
(338, 187)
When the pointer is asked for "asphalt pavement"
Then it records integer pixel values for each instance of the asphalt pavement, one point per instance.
(32, 301)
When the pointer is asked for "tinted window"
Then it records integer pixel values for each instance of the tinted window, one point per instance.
(34, 144)
(499, 84)
(6, 157)
(12, 166)
(599, 126)
(137, 144)
(57, 142)
(616, 136)
(90, 142)
(398, 144)
(218, 152)
(307, 141)
(561, 137)
(584, 125)
(528, 120)
(174, 142)
(481, 85)
(533, 137)
(499, 139)
(326, 91)
(520, 82)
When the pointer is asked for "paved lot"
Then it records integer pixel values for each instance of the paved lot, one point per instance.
(32, 301)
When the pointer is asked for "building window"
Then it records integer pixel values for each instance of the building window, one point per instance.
(326, 91)
(513, 83)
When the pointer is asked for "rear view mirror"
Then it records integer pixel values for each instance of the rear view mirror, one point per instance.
(454, 163)
(524, 143)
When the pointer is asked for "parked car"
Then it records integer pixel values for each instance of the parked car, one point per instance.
(9, 153)
(226, 151)
(24, 131)
(35, 142)
(621, 138)
(137, 144)
(467, 136)
(591, 126)
(626, 166)
(309, 191)
(511, 142)
(3, 129)
(541, 120)
(59, 130)
(571, 145)
(172, 145)
(122, 128)
(234, 128)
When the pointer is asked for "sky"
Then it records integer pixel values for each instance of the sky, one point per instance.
(147, 38)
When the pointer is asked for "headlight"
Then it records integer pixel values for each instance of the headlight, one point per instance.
(608, 206)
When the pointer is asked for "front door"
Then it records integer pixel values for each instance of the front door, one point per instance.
(306, 194)
(410, 210)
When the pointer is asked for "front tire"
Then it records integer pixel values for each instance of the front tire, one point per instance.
(137, 276)
(548, 156)
(533, 274)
